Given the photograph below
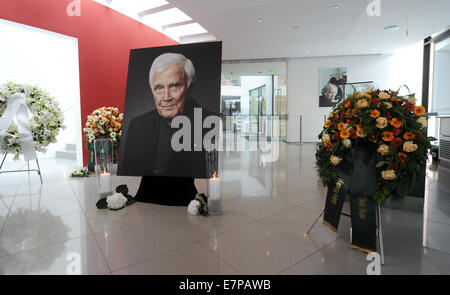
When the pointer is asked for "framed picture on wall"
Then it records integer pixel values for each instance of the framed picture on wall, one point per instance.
(332, 86)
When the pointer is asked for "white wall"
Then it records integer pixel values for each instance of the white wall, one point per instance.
(49, 60)
(387, 72)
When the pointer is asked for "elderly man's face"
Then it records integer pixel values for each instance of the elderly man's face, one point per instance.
(331, 92)
(170, 91)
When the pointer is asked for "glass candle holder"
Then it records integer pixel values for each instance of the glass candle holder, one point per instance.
(103, 153)
(215, 195)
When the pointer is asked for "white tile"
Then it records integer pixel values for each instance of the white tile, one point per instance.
(77, 256)
(157, 235)
(258, 249)
(296, 221)
(190, 260)
(41, 229)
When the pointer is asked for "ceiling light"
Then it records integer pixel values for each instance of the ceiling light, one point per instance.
(335, 6)
(185, 30)
(165, 17)
(259, 20)
(136, 5)
(296, 27)
(391, 28)
(267, 41)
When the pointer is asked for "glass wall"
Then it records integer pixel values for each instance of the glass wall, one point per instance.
(440, 86)
(254, 95)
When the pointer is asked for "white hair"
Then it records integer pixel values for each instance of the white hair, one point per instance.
(161, 62)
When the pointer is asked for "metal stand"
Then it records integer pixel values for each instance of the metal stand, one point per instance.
(379, 230)
(38, 170)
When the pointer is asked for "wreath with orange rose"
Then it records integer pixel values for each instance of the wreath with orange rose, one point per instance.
(395, 129)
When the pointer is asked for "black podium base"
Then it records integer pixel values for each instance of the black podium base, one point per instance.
(171, 191)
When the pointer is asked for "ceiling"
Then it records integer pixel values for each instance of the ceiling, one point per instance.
(306, 28)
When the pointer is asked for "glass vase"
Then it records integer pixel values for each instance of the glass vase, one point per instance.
(103, 155)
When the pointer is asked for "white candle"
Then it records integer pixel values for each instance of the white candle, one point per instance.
(214, 188)
(104, 183)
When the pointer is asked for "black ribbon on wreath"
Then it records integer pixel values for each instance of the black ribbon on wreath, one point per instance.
(356, 176)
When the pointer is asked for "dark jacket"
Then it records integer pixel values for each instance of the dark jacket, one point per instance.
(138, 154)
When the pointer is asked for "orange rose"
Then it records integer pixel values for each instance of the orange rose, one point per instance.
(402, 157)
(419, 110)
(341, 126)
(360, 133)
(328, 144)
(375, 114)
(396, 123)
(388, 136)
(347, 104)
(409, 136)
(327, 123)
(359, 127)
(345, 134)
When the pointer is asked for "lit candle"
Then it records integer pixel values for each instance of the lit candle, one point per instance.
(214, 198)
(104, 183)
(214, 187)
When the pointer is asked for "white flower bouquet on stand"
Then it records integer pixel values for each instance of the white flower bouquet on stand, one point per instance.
(46, 118)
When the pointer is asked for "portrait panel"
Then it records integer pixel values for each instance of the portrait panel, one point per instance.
(171, 90)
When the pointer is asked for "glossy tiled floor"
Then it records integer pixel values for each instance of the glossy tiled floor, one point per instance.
(267, 210)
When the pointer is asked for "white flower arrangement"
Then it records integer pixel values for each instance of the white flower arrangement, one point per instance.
(116, 201)
(193, 207)
(105, 121)
(82, 172)
(46, 118)
(198, 205)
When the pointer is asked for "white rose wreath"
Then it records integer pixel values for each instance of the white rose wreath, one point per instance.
(46, 118)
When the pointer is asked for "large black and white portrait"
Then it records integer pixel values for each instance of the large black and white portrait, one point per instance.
(171, 91)
(332, 86)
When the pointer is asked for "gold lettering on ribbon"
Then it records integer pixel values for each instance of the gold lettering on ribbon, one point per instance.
(336, 190)
(362, 208)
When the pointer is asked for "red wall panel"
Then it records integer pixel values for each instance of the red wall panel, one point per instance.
(105, 38)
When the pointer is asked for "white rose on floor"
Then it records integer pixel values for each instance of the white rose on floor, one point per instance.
(116, 201)
(381, 122)
(423, 121)
(326, 137)
(409, 146)
(384, 150)
(384, 95)
(347, 143)
(388, 174)
(335, 160)
(193, 207)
